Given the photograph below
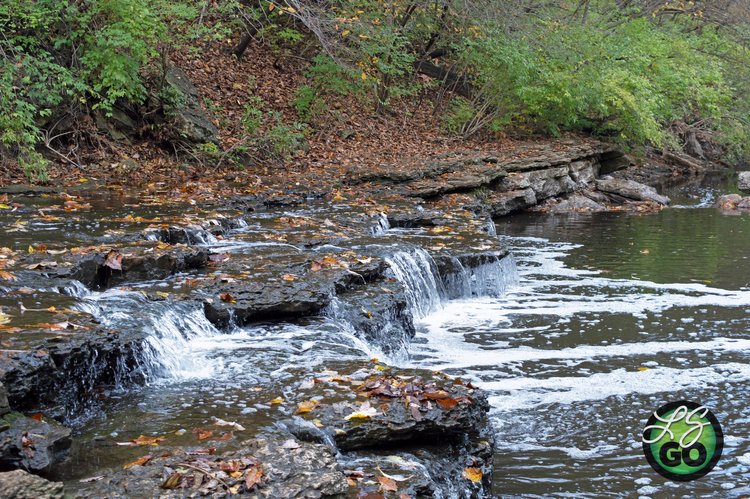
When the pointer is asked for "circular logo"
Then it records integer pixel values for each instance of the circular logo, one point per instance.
(683, 441)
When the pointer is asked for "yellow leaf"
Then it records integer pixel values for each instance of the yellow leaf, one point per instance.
(643, 369)
(271, 6)
(277, 401)
(345, 32)
(4, 318)
(364, 75)
(308, 406)
(4, 206)
(31, 249)
(473, 474)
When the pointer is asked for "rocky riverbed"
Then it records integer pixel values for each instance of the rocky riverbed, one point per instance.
(107, 295)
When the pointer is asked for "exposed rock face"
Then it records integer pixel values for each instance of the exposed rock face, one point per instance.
(743, 181)
(4, 406)
(189, 121)
(20, 484)
(95, 272)
(60, 371)
(630, 189)
(30, 444)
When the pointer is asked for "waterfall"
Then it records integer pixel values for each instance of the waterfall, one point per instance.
(167, 329)
(382, 226)
(417, 271)
(427, 284)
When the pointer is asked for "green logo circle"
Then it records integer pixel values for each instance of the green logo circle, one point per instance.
(682, 441)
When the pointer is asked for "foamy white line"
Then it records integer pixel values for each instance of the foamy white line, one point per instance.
(453, 355)
(526, 393)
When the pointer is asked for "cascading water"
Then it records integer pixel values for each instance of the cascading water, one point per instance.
(426, 286)
(382, 226)
(167, 329)
(417, 271)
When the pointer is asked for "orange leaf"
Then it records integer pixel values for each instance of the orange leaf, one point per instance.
(388, 484)
(253, 476)
(202, 434)
(447, 403)
(473, 474)
(138, 462)
(228, 298)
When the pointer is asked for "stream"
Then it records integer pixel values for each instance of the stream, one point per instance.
(593, 322)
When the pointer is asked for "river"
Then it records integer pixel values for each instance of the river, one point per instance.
(596, 320)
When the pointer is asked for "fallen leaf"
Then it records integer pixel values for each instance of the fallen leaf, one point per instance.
(225, 437)
(4, 318)
(277, 401)
(388, 484)
(473, 474)
(173, 481)
(221, 422)
(138, 462)
(364, 412)
(253, 476)
(113, 260)
(202, 434)
(143, 440)
(308, 406)
(447, 403)
(227, 298)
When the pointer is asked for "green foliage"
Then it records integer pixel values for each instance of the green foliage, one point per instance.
(628, 82)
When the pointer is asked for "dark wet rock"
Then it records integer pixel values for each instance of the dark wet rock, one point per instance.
(19, 484)
(422, 427)
(380, 314)
(59, 366)
(416, 218)
(4, 405)
(630, 189)
(31, 444)
(408, 413)
(28, 190)
(270, 296)
(290, 469)
(743, 181)
(96, 273)
(576, 203)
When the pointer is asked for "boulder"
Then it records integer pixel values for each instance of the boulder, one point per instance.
(507, 202)
(743, 181)
(32, 444)
(728, 202)
(19, 484)
(631, 190)
(576, 203)
(189, 121)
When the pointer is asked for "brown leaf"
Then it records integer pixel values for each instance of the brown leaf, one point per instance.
(388, 484)
(173, 481)
(447, 403)
(436, 395)
(202, 434)
(473, 474)
(113, 260)
(253, 476)
(231, 466)
(415, 412)
(138, 462)
(227, 298)
(224, 437)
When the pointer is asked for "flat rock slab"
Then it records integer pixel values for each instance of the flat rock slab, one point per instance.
(267, 467)
(631, 189)
(19, 484)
